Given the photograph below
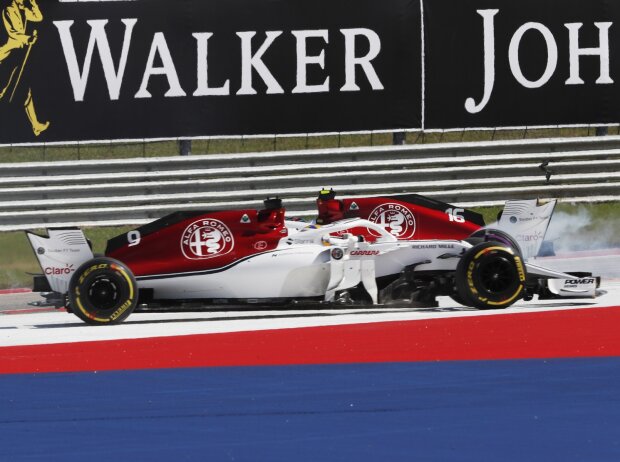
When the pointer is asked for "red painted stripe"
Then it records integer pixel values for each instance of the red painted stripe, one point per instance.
(14, 291)
(32, 310)
(554, 334)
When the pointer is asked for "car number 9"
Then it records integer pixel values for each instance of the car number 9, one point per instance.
(134, 238)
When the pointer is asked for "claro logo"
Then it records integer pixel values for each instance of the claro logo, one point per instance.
(537, 236)
(55, 271)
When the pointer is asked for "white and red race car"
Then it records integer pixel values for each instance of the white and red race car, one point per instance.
(394, 250)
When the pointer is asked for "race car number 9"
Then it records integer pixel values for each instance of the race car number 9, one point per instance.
(134, 238)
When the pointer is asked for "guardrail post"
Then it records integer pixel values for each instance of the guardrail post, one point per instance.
(398, 138)
(185, 147)
(602, 131)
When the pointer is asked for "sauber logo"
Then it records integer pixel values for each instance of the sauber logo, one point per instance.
(55, 271)
(397, 220)
(206, 239)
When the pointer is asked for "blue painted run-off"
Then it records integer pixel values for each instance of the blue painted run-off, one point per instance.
(504, 411)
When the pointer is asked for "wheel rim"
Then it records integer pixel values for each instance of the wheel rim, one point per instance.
(103, 293)
(496, 276)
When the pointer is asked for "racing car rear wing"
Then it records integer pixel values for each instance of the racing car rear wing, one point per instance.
(527, 222)
(60, 254)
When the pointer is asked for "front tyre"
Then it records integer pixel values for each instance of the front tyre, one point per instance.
(490, 276)
(103, 291)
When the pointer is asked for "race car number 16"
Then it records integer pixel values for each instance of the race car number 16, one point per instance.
(455, 215)
(133, 237)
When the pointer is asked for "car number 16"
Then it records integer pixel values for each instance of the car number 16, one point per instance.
(456, 215)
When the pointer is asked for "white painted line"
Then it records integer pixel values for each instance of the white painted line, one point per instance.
(60, 327)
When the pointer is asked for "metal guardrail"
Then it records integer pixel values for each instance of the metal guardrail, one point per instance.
(134, 191)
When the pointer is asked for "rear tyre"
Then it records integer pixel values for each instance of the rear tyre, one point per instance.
(490, 276)
(495, 235)
(103, 291)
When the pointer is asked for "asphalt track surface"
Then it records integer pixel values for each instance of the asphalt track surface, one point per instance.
(537, 382)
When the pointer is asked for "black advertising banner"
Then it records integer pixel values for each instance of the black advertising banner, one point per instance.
(494, 63)
(77, 70)
(132, 69)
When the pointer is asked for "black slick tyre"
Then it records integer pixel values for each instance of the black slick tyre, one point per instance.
(494, 235)
(490, 276)
(103, 291)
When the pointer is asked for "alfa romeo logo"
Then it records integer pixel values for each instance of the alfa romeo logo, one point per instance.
(206, 238)
(397, 220)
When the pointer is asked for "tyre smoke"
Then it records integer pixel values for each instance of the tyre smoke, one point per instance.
(580, 231)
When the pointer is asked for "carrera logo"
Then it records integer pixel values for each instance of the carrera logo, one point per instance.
(55, 271)
(397, 220)
(206, 239)
(365, 252)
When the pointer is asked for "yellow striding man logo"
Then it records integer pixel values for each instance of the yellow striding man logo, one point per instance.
(14, 54)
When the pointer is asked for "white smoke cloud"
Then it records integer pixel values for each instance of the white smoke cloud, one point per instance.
(579, 231)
